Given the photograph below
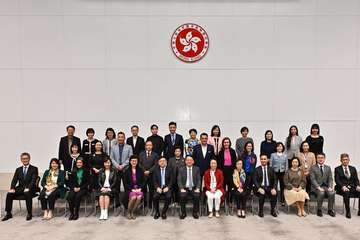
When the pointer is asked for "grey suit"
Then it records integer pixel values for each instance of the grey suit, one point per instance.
(325, 181)
(108, 145)
(182, 181)
(125, 156)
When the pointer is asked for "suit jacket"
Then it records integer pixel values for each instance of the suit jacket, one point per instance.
(19, 182)
(219, 181)
(258, 178)
(64, 154)
(148, 163)
(112, 179)
(341, 180)
(73, 183)
(108, 145)
(318, 180)
(175, 165)
(221, 158)
(200, 161)
(218, 146)
(157, 177)
(125, 157)
(158, 143)
(60, 182)
(182, 177)
(170, 148)
(127, 178)
(139, 146)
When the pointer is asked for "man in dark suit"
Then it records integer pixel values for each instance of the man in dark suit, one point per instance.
(265, 183)
(322, 184)
(163, 181)
(158, 141)
(147, 161)
(189, 182)
(135, 141)
(65, 147)
(23, 185)
(203, 153)
(347, 182)
(172, 140)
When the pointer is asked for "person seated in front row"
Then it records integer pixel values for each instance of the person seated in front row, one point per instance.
(240, 189)
(322, 185)
(134, 181)
(107, 187)
(79, 186)
(265, 185)
(23, 184)
(163, 182)
(214, 188)
(189, 183)
(52, 183)
(347, 182)
(295, 186)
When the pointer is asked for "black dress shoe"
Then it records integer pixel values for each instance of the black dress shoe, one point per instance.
(319, 213)
(76, 216)
(7, 217)
(359, 213)
(196, 215)
(163, 216)
(28, 217)
(261, 214)
(182, 216)
(71, 217)
(274, 214)
(348, 214)
(331, 213)
(157, 215)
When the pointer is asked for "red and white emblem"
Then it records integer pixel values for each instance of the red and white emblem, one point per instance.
(190, 42)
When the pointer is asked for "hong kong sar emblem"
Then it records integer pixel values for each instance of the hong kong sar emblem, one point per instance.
(190, 42)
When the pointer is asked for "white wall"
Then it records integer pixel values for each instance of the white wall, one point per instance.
(271, 63)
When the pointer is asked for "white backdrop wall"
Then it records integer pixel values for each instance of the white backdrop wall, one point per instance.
(101, 63)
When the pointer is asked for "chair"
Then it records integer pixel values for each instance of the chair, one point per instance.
(190, 198)
(312, 203)
(343, 204)
(112, 200)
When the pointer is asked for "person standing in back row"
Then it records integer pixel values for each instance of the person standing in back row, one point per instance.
(215, 139)
(315, 140)
(135, 141)
(172, 140)
(240, 142)
(158, 141)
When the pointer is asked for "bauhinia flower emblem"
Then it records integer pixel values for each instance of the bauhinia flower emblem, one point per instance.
(190, 42)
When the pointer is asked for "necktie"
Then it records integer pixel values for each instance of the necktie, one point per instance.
(347, 175)
(147, 154)
(321, 170)
(190, 178)
(173, 139)
(265, 177)
(162, 178)
(25, 171)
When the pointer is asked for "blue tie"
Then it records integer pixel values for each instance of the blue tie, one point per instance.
(162, 178)
(173, 139)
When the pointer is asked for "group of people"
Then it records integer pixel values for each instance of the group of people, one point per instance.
(178, 171)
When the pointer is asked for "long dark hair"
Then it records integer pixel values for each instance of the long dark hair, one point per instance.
(315, 126)
(288, 139)
(222, 143)
(245, 153)
(213, 128)
(56, 161)
(110, 130)
(272, 135)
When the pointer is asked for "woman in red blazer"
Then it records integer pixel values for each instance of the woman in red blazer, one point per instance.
(214, 188)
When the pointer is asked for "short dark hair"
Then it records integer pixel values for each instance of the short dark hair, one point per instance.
(297, 159)
(263, 154)
(70, 126)
(90, 130)
(280, 144)
(110, 130)
(107, 158)
(192, 130)
(320, 154)
(243, 129)
(25, 154)
(134, 156)
(54, 160)
(122, 133)
(154, 125)
(172, 123)
(204, 134)
(71, 146)
(222, 143)
(302, 146)
(315, 126)
(162, 157)
(134, 126)
(272, 134)
(344, 155)
(177, 147)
